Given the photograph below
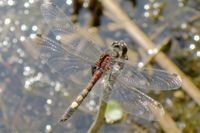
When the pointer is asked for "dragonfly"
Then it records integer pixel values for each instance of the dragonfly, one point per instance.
(103, 70)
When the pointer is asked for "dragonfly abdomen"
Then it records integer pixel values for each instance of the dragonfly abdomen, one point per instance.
(79, 99)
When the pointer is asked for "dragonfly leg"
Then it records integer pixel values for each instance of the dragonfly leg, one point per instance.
(93, 69)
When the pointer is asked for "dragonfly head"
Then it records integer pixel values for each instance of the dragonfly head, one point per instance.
(120, 49)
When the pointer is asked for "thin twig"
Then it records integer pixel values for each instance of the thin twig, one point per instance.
(158, 31)
(161, 46)
(100, 119)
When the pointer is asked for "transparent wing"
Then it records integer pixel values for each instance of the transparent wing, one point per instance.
(63, 60)
(56, 19)
(149, 79)
(132, 100)
(74, 38)
(71, 66)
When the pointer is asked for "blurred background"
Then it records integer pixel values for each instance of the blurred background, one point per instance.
(33, 97)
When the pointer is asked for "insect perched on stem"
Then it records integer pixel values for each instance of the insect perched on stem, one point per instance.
(112, 77)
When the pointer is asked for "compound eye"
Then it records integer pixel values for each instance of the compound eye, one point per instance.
(114, 43)
(116, 46)
(124, 49)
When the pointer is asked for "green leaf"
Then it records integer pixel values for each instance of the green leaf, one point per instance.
(113, 112)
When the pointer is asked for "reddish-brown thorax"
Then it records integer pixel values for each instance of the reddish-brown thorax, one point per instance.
(104, 61)
(101, 64)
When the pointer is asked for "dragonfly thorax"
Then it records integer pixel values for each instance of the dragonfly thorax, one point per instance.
(104, 62)
(117, 50)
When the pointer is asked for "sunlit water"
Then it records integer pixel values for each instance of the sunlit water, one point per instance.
(32, 97)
